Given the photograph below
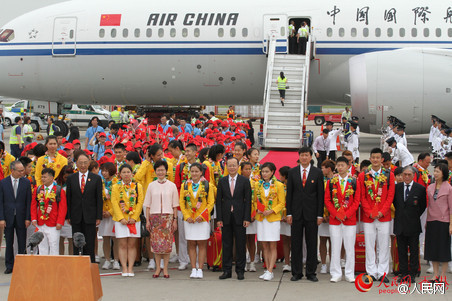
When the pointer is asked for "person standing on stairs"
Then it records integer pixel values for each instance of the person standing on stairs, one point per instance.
(282, 83)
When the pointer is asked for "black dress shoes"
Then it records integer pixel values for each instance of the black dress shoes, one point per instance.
(385, 280)
(240, 276)
(225, 275)
(8, 271)
(296, 278)
(312, 278)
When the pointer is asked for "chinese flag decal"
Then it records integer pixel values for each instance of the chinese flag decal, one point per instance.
(110, 20)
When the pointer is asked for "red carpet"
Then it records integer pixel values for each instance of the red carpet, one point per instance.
(280, 159)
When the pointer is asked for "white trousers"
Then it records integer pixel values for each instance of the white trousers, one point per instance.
(338, 234)
(422, 235)
(377, 232)
(50, 245)
(183, 250)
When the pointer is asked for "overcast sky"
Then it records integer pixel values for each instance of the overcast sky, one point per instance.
(16, 8)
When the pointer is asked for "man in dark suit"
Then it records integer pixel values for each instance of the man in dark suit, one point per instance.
(84, 203)
(233, 215)
(304, 204)
(15, 200)
(409, 202)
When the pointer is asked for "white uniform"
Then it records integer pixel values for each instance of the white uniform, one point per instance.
(353, 144)
(402, 139)
(333, 134)
(432, 133)
(402, 154)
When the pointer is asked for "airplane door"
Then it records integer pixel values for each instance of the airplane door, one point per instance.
(64, 36)
(276, 25)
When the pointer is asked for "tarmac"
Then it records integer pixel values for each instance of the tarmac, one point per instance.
(181, 287)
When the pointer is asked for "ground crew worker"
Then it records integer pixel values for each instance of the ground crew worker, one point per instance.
(282, 84)
(51, 128)
(115, 115)
(292, 38)
(302, 38)
(15, 141)
(28, 131)
(231, 113)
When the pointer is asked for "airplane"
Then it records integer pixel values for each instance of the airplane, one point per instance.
(385, 58)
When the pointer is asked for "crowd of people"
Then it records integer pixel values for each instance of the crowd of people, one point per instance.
(143, 186)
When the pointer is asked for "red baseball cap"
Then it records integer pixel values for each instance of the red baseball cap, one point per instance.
(108, 151)
(76, 141)
(68, 146)
(108, 143)
(88, 152)
(102, 135)
(63, 153)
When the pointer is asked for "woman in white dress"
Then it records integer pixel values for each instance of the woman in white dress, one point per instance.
(285, 227)
(127, 201)
(269, 199)
(197, 198)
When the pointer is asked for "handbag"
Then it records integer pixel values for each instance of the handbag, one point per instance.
(144, 231)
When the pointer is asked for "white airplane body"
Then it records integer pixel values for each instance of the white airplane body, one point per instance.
(385, 58)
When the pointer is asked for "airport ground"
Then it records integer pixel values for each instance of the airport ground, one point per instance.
(181, 287)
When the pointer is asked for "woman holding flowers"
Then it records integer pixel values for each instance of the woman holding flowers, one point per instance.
(161, 204)
(269, 199)
(197, 198)
(52, 159)
(127, 202)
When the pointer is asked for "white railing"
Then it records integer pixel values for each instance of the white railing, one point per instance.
(271, 50)
(304, 92)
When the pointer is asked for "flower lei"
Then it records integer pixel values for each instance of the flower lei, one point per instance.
(272, 195)
(450, 176)
(135, 168)
(199, 196)
(108, 187)
(132, 199)
(369, 183)
(426, 177)
(256, 172)
(217, 171)
(48, 162)
(348, 192)
(45, 211)
(186, 175)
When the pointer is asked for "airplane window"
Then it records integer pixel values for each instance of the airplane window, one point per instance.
(220, 32)
(426, 32)
(438, 32)
(402, 32)
(341, 32)
(173, 32)
(244, 32)
(329, 32)
(414, 32)
(354, 33)
(125, 32)
(149, 32)
(137, 33)
(113, 33)
(197, 33)
(283, 31)
(185, 32)
(390, 32)
(71, 34)
(377, 32)
(102, 33)
(449, 32)
(366, 32)
(232, 33)
(161, 32)
(7, 35)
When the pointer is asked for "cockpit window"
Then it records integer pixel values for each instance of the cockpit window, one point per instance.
(7, 35)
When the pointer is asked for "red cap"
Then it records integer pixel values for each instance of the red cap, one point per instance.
(64, 140)
(108, 143)
(63, 153)
(88, 152)
(138, 145)
(108, 151)
(130, 149)
(198, 122)
(76, 141)
(102, 135)
(68, 146)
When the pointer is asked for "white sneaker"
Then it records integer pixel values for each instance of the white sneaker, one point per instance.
(173, 259)
(335, 279)
(116, 265)
(97, 259)
(323, 269)
(350, 279)
(194, 274)
(151, 265)
(263, 275)
(125, 274)
(269, 276)
(252, 267)
(182, 266)
(286, 268)
(131, 274)
(199, 274)
(430, 270)
(247, 267)
(162, 264)
(248, 259)
(107, 265)
(256, 258)
(343, 263)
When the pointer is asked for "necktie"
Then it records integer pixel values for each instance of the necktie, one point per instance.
(15, 188)
(232, 186)
(47, 191)
(82, 186)
(304, 177)
(342, 185)
(407, 191)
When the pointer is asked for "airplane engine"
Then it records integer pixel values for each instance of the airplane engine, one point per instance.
(413, 82)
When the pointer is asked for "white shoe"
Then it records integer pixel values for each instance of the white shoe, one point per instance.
(194, 274)
(97, 259)
(199, 274)
(116, 265)
(286, 268)
(430, 270)
(256, 258)
(252, 267)
(131, 274)
(335, 279)
(247, 269)
(269, 276)
(263, 275)
(343, 263)
(248, 259)
(151, 265)
(348, 279)
(162, 264)
(125, 274)
(182, 266)
(323, 269)
(107, 265)
(173, 259)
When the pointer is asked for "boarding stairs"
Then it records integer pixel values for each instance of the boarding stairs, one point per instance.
(283, 125)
